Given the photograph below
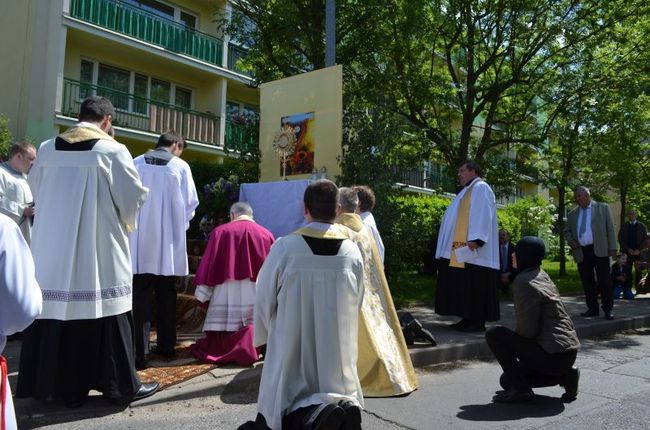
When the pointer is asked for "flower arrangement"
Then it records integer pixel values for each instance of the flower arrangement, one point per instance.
(219, 195)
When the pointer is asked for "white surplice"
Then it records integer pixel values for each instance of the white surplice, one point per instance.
(306, 312)
(159, 245)
(482, 225)
(231, 305)
(20, 296)
(15, 196)
(369, 222)
(87, 201)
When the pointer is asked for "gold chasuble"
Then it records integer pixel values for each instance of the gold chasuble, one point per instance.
(384, 364)
(462, 224)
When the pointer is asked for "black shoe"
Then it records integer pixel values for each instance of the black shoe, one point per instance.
(327, 416)
(75, 402)
(167, 353)
(514, 396)
(570, 385)
(472, 328)
(590, 314)
(146, 389)
(460, 324)
(609, 315)
(504, 382)
(352, 416)
(420, 332)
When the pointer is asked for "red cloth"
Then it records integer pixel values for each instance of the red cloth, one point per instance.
(223, 347)
(235, 252)
(3, 390)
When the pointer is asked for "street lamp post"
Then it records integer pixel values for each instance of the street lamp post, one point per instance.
(330, 33)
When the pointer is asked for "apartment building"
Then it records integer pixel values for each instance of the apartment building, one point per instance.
(164, 64)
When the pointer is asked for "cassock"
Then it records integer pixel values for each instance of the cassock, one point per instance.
(470, 291)
(15, 197)
(369, 221)
(159, 244)
(87, 192)
(309, 292)
(225, 281)
(20, 299)
(384, 364)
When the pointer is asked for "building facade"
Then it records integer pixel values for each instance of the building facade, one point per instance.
(165, 65)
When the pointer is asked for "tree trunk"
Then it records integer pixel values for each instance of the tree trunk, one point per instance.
(623, 193)
(561, 204)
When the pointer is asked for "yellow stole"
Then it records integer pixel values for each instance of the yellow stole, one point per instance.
(333, 232)
(462, 224)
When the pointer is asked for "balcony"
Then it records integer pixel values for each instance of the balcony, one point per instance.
(241, 137)
(144, 114)
(430, 176)
(132, 21)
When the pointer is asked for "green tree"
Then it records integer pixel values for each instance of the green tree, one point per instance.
(5, 138)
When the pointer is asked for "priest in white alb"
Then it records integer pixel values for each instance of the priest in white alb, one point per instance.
(225, 283)
(20, 302)
(159, 243)
(87, 192)
(366, 205)
(309, 292)
(384, 363)
(468, 254)
(15, 195)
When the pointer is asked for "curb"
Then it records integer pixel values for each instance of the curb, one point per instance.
(478, 348)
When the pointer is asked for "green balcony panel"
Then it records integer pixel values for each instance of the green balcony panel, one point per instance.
(240, 137)
(132, 21)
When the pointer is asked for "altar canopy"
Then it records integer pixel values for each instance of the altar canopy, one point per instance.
(278, 206)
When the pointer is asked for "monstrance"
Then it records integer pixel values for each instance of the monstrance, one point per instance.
(284, 144)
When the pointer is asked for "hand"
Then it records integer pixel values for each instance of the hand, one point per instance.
(472, 245)
(29, 211)
(203, 307)
(612, 253)
(634, 252)
(573, 244)
(505, 277)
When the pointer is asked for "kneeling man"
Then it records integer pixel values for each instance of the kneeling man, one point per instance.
(309, 293)
(542, 350)
(225, 283)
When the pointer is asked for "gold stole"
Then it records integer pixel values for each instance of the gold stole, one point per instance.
(460, 229)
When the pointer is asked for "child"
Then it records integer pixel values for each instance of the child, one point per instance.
(622, 278)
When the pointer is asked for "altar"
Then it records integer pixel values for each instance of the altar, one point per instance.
(277, 206)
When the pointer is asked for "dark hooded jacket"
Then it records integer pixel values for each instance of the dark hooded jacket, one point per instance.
(538, 306)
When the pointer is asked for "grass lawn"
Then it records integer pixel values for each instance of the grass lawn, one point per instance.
(410, 288)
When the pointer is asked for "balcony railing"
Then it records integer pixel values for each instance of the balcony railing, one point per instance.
(144, 114)
(240, 137)
(428, 177)
(132, 21)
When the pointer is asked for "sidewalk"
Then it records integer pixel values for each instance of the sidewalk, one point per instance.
(454, 345)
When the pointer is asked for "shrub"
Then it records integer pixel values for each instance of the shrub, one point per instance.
(409, 225)
(510, 222)
(5, 138)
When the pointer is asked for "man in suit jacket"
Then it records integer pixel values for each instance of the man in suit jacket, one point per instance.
(631, 237)
(591, 235)
(506, 249)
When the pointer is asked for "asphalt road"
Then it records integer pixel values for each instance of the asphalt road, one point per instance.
(613, 393)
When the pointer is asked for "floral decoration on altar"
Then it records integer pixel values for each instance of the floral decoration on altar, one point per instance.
(219, 195)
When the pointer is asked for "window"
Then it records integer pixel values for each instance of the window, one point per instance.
(86, 76)
(183, 98)
(128, 90)
(188, 20)
(140, 91)
(160, 91)
(114, 85)
(232, 110)
(165, 11)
